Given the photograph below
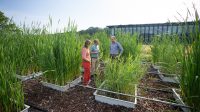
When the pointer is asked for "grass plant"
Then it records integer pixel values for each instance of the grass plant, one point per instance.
(11, 92)
(190, 77)
(167, 52)
(121, 76)
(61, 57)
(130, 43)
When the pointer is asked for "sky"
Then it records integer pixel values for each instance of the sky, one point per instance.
(96, 13)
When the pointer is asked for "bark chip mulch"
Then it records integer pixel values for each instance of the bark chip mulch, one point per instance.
(81, 99)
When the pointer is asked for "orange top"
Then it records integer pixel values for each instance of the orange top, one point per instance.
(86, 54)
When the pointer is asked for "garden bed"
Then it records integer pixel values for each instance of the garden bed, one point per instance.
(26, 108)
(80, 99)
(30, 76)
(62, 88)
(109, 99)
(168, 78)
(179, 99)
(151, 87)
(77, 99)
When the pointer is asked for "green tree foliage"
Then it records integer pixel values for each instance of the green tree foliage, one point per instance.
(92, 30)
(7, 24)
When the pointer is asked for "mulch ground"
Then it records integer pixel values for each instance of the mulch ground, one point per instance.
(81, 99)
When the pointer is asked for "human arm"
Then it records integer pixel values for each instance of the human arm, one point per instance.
(120, 49)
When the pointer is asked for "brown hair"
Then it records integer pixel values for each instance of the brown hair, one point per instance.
(87, 43)
(96, 41)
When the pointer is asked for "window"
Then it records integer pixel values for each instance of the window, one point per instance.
(174, 29)
(155, 29)
(138, 29)
(191, 28)
(134, 30)
(169, 30)
(146, 29)
(164, 31)
(179, 29)
(151, 30)
(160, 29)
(112, 31)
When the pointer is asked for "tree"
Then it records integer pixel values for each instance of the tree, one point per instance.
(91, 30)
(7, 24)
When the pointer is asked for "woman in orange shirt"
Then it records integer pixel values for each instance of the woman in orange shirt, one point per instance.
(86, 60)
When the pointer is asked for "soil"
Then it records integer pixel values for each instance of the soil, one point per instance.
(81, 99)
(77, 99)
(164, 93)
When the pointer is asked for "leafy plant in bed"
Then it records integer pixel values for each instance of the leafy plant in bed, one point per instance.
(121, 77)
(190, 77)
(11, 92)
(167, 55)
(61, 58)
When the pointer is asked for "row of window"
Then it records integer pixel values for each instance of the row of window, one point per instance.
(160, 29)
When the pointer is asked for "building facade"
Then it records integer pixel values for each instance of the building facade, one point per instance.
(146, 31)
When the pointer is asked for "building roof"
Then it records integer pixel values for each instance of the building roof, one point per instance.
(152, 24)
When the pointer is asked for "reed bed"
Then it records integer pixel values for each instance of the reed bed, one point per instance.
(122, 75)
(61, 58)
(190, 77)
(131, 44)
(104, 44)
(167, 52)
(11, 92)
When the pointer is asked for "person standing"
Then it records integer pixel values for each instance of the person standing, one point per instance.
(86, 61)
(94, 56)
(116, 49)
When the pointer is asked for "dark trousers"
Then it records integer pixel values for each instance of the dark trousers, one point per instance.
(113, 56)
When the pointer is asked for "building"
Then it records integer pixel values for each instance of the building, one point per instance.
(146, 31)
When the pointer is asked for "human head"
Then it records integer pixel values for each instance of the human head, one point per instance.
(113, 38)
(87, 43)
(96, 41)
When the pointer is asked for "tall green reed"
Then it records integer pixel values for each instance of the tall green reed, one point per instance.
(121, 76)
(190, 77)
(61, 58)
(104, 43)
(167, 52)
(11, 92)
(130, 43)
